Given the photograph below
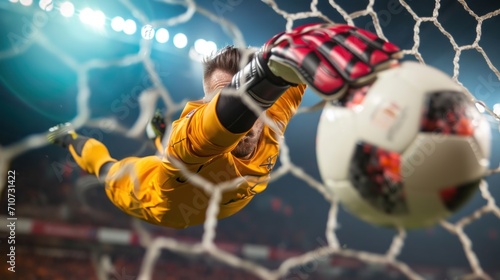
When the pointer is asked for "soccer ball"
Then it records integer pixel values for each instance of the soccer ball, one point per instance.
(405, 151)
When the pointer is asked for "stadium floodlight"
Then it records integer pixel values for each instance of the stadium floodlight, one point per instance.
(199, 45)
(129, 27)
(210, 47)
(496, 109)
(147, 32)
(98, 19)
(204, 47)
(26, 2)
(86, 15)
(117, 24)
(162, 35)
(46, 5)
(67, 9)
(94, 18)
(180, 40)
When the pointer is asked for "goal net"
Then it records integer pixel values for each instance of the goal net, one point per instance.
(458, 37)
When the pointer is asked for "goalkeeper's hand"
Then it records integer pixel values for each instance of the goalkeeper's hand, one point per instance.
(329, 58)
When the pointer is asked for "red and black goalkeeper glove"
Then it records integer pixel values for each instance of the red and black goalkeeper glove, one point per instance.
(329, 58)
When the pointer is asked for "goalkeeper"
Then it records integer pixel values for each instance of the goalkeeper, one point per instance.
(220, 138)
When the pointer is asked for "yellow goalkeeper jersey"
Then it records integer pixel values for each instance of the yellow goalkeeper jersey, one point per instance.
(167, 191)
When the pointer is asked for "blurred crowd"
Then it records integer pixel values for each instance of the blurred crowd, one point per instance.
(53, 264)
(124, 263)
(40, 267)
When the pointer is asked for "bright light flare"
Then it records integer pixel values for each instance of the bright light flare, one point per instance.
(67, 9)
(496, 109)
(117, 24)
(86, 15)
(204, 47)
(26, 2)
(199, 45)
(210, 48)
(147, 32)
(94, 18)
(46, 5)
(180, 40)
(129, 27)
(98, 19)
(162, 35)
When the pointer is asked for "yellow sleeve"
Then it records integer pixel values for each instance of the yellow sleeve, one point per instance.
(286, 106)
(198, 135)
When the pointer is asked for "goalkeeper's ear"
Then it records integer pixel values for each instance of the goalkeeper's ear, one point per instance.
(285, 72)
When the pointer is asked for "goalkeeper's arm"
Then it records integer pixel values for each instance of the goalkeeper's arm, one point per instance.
(329, 58)
(258, 82)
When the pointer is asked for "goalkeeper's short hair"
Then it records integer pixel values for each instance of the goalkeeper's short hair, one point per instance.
(228, 59)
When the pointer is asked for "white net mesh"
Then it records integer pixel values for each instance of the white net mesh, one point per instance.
(369, 14)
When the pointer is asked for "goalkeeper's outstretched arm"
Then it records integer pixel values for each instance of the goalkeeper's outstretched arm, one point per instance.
(329, 58)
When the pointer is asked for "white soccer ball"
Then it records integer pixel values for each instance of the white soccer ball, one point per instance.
(407, 151)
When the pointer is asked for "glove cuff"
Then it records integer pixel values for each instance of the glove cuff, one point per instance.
(259, 82)
(274, 79)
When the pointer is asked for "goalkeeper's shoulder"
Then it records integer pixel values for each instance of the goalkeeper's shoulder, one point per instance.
(191, 107)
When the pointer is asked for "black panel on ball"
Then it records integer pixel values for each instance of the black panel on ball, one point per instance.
(455, 197)
(449, 112)
(376, 174)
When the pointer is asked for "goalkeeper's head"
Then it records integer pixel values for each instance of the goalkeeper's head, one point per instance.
(219, 69)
